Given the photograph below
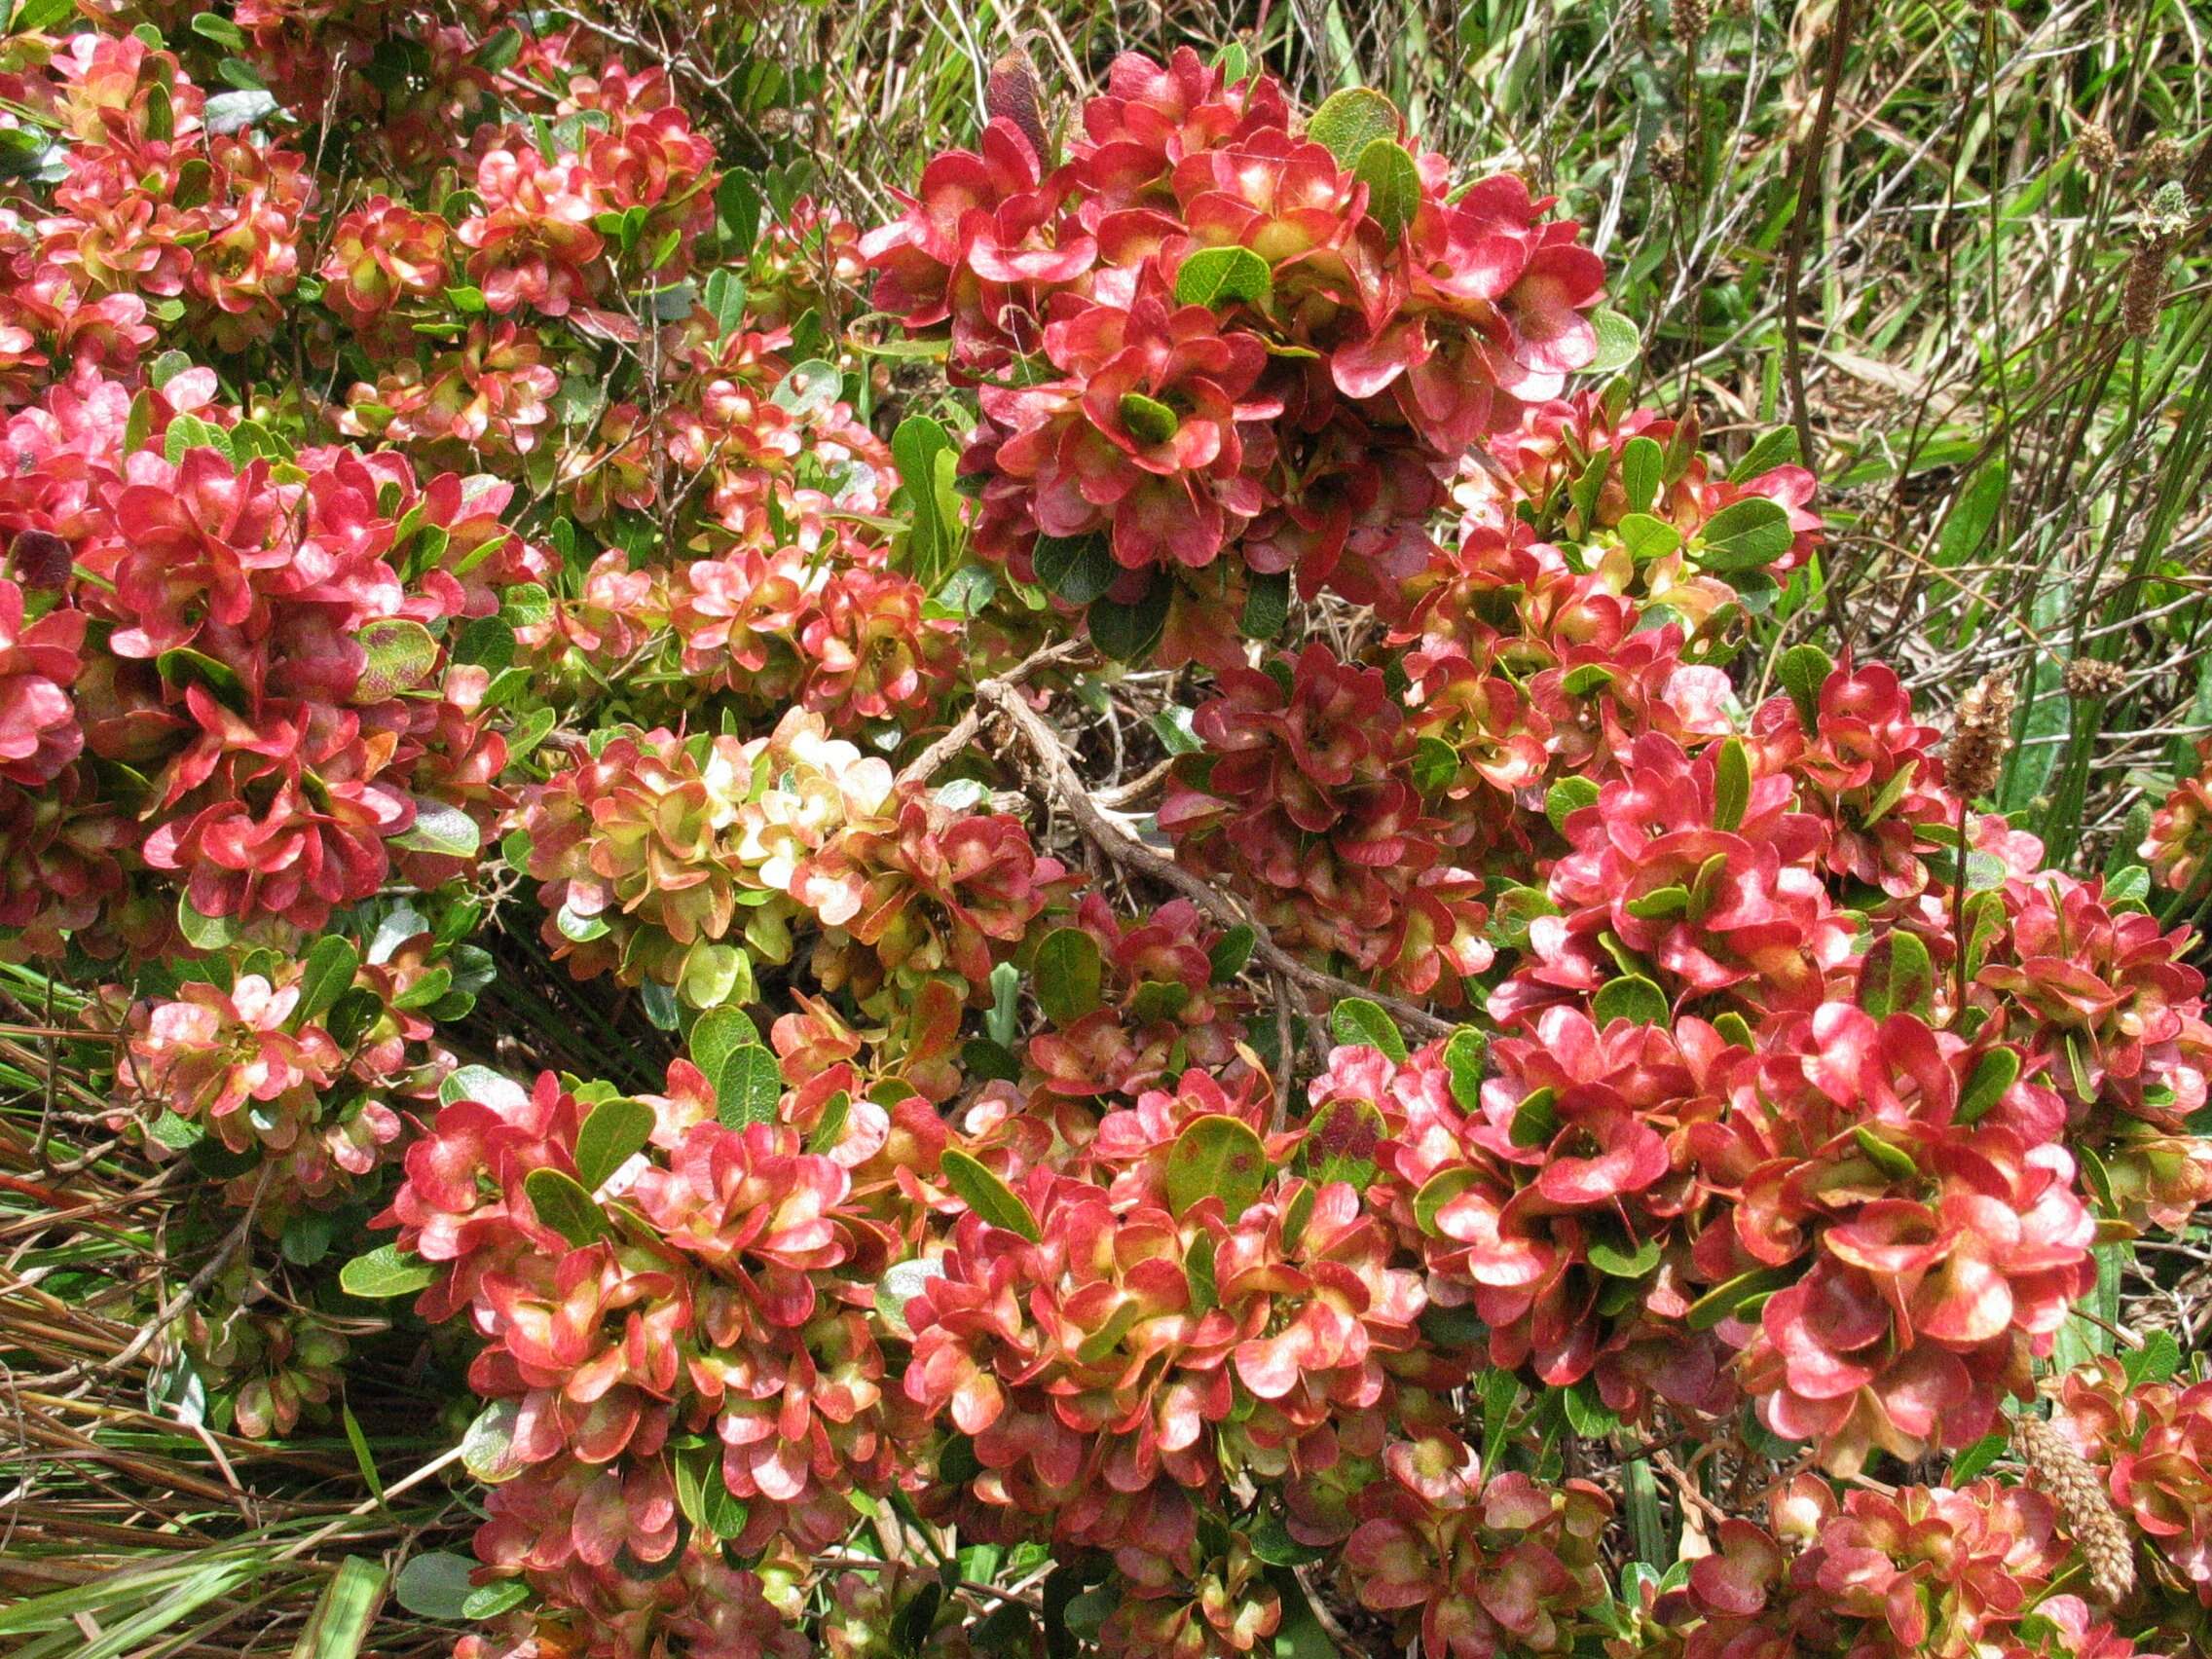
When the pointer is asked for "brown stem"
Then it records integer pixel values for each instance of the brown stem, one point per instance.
(1793, 253)
(1110, 837)
(924, 766)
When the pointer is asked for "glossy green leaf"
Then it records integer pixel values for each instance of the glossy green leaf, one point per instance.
(1731, 784)
(435, 1585)
(1744, 535)
(1076, 568)
(748, 1084)
(1351, 120)
(332, 962)
(564, 1207)
(1218, 276)
(386, 1272)
(1069, 973)
(614, 1132)
(988, 1197)
(1218, 1156)
(1393, 185)
(1358, 1022)
(1466, 1057)
(1632, 997)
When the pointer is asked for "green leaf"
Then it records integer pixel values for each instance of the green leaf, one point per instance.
(402, 655)
(1731, 784)
(488, 1448)
(748, 1086)
(1975, 1459)
(384, 1271)
(1647, 1521)
(899, 1284)
(500, 51)
(1535, 1121)
(1300, 1634)
(715, 971)
(1393, 185)
(2041, 733)
(1218, 276)
(809, 388)
(1803, 671)
(702, 1496)
(490, 1600)
(990, 1197)
(1003, 1021)
(1993, 1073)
(986, 1058)
(435, 1586)
(1643, 467)
(1351, 120)
(1611, 1260)
(716, 1034)
(1893, 1161)
(2157, 1360)
(1590, 485)
(1076, 568)
(1435, 765)
(614, 1132)
(221, 31)
(928, 460)
(1586, 1414)
(362, 1458)
(1216, 1157)
(1567, 797)
(1267, 605)
(1149, 420)
(1896, 975)
(1778, 448)
(203, 933)
(1128, 631)
(439, 829)
(1647, 539)
(564, 1207)
(1358, 1022)
(1724, 1300)
(1634, 999)
(1745, 536)
(307, 1238)
(1197, 1270)
(331, 963)
(1296, 1213)
(1618, 342)
(1172, 726)
(1069, 975)
(1465, 1055)
(480, 1084)
(184, 667)
(1231, 951)
(1439, 1190)
(1974, 513)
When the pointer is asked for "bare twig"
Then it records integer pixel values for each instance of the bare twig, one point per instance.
(1111, 838)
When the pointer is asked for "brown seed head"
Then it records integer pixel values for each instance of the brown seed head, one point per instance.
(1667, 158)
(2088, 1514)
(2087, 679)
(2163, 158)
(1690, 18)
(2096, 149)
(2144, 294)
(1981, 731)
